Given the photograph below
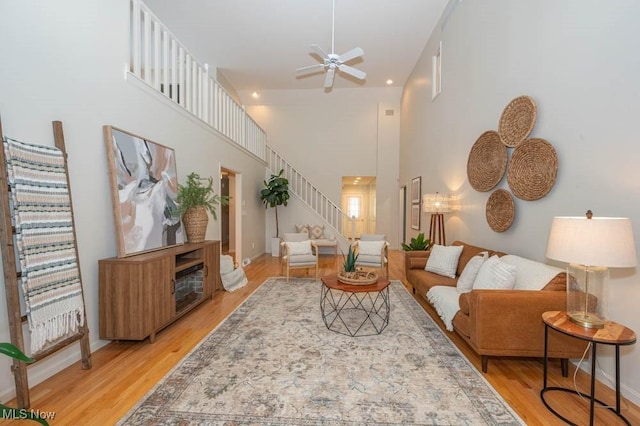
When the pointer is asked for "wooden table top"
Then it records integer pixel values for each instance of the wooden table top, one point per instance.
(332, 282)
(612, 333)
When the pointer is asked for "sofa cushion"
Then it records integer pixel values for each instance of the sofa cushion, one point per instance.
(464, 301)
(470, 272)
(443, 260)
(468, 252)
(557, 283)
(445, 301)
(495, 274)
(530, 275)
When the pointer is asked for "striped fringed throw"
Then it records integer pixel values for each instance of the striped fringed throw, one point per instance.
(46, 245)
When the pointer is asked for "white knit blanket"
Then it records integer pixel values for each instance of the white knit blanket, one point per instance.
(232, 278)
(445, 300)
(41, 210)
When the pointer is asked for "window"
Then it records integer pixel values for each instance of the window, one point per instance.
(353, 206)
(436, 72)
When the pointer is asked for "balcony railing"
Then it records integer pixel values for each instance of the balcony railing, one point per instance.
(162, 62)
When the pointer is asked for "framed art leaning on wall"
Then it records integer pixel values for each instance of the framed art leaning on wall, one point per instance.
(144, 185)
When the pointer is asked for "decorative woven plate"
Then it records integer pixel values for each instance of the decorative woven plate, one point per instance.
(358, 277)
(517, 121)
(487, 162)
(500, 210)
(533, 169)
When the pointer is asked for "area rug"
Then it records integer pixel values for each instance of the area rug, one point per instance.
(273, 361)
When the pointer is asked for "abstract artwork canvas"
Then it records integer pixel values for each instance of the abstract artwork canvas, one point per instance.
(144, 187)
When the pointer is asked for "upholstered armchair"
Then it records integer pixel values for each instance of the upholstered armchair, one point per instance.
(298, 252)
(373, 252)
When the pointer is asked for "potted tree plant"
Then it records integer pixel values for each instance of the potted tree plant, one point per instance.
(194, 199)
(417, 243)
(274, 194)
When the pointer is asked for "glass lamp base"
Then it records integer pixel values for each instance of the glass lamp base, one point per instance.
(586, 320)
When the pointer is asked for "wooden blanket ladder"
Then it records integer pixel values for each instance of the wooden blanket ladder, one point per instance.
(12, 281)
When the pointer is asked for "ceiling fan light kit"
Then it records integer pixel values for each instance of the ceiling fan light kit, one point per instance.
(333, 62)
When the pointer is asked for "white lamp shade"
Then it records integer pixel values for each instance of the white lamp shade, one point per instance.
(435, 203)
(599, 241)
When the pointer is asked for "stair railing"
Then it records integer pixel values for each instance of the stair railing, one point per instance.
(311, 196)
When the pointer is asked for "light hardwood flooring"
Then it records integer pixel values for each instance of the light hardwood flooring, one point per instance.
(124, 372)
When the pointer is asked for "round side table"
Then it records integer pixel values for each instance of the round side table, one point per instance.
(612, 334)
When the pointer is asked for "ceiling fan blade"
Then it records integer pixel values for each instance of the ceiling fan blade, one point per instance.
(328, 81)
(353, 72)
(310, 69)
(317, 49)
(352, 54)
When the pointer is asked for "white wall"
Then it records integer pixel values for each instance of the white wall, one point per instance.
(329, 135)
(579, 61)
(65, 61)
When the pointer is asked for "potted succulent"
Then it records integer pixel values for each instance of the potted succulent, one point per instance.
(16, 413)
(194, 199)
(274, 194)
(350, 259)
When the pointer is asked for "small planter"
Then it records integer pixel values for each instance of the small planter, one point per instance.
(195, 221)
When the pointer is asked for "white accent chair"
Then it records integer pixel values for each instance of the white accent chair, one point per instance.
(298, 251)
(373, 252)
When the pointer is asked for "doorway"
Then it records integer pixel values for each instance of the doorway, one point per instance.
(230, 220)
(359, 203)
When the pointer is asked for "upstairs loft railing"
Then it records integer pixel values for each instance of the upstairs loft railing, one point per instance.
(158, 59)
(311, 196)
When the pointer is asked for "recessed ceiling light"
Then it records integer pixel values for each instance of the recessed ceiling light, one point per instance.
(389, 82)
(255, 95)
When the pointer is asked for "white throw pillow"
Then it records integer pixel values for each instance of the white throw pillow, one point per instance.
(470, 272)
(370, 248)
(530, 275)
(495, 274)
(443, 260)
(299, 247)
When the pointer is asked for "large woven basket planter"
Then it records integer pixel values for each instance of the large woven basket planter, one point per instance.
(195, 221)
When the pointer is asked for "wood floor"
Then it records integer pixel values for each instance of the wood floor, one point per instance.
(124, 372)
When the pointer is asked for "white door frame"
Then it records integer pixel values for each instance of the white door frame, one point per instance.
(237, 196)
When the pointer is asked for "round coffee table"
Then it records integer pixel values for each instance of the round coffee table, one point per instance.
(355, 310)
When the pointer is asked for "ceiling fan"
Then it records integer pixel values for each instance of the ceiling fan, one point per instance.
(333, 62)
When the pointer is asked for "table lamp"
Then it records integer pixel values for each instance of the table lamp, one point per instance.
(436, 204)
(590, 245)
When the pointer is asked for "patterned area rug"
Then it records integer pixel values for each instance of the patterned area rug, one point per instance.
(273, 361)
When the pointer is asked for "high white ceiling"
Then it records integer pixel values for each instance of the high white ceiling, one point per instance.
(258, 44)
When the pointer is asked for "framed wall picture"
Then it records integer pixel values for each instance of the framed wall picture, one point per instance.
(144, 185)
(415, 190)
(415, 216)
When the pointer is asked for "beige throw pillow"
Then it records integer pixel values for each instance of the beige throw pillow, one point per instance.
(495, 274)
(316, 232)
(299, 247)
(370, 248)
(470, 272)
(443, 260)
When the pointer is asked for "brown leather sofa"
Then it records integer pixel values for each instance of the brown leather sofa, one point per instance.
(500, 322)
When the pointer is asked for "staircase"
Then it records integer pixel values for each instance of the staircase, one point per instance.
(310, 196)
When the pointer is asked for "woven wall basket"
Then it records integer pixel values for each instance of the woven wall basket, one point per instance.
(501, 210)
(517, 121)
(487, 162)
(195, 221)
(533, 169)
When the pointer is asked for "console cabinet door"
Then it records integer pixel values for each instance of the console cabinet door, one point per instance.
(212, 281)
(162, 292)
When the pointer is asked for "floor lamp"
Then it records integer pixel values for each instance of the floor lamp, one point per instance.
(436, 204)
(590, 245)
